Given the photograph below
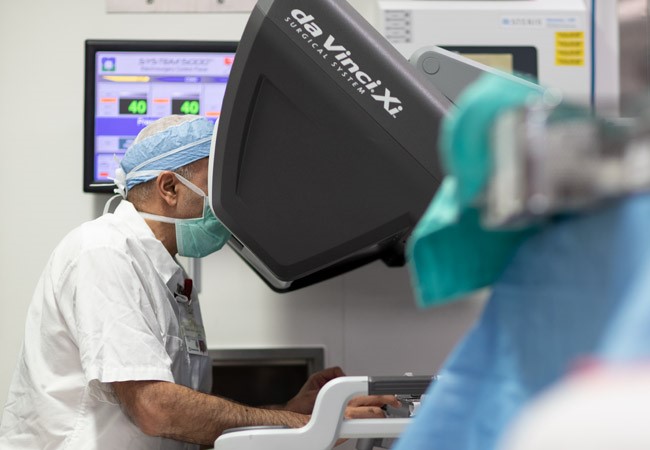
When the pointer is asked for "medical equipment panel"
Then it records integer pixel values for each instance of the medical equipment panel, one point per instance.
(547, 39)
(130, 84)
(327, 423)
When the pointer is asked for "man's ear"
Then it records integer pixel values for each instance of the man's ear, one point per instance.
(166, 187)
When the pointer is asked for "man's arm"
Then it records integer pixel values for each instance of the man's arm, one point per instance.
(173, 411)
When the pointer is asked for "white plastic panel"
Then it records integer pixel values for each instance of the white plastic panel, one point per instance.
(555, 28)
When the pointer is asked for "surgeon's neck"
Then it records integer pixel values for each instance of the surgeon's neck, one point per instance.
(165, 233)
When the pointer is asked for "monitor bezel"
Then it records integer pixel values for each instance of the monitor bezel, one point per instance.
(311, 358)
(92, 46)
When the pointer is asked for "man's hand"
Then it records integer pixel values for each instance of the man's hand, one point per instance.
(370, 406)
(363, 407)
(303, 402)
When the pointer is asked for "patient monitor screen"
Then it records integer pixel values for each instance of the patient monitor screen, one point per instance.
(133, 88)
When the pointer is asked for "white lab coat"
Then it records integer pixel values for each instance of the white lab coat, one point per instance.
(104, 310)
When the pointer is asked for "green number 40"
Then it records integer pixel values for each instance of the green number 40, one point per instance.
(190, 107)
(138, 107)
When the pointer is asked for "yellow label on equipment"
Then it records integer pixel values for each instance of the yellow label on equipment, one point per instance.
(570, 48)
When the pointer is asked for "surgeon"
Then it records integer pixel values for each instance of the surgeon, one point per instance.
(114, 355)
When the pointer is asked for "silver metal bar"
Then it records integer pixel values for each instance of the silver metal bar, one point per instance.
(634, 29)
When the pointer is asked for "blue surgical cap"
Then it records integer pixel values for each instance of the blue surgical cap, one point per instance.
(175, 142)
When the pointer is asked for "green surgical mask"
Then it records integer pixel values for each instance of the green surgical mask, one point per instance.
(196, 237)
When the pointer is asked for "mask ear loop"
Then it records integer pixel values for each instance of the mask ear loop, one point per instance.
(191, 186)
(120, 190)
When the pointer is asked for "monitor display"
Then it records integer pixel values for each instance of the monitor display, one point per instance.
(130, 84)
(515, 59)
